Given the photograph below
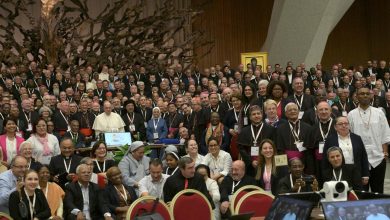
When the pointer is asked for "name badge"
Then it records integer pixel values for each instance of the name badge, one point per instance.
(281, 160)
(155, 135)
(236, 127)
(254, 151)
(29, 127)
(132, 127)
(344, 113)
(19, 134)
(146, 124)
(321, 147)
(300, 115)
(245, 120)
(299, 145)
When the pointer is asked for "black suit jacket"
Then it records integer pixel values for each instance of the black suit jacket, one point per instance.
(349, 174)
(32, 117)
(245, 142)
(57, 166)
(359, 153)
(225, 189)
(138, 123)
(110, 196)
(41, 208)
(281, 171)
(307, 103)
(61, 122)
(74, 200)
(80, 142)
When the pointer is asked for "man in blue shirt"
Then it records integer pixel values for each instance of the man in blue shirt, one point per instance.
(11, 180)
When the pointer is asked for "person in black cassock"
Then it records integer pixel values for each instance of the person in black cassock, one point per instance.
(186, 178)
(251, 136)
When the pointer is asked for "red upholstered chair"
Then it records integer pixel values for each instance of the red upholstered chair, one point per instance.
(352, 196)
(145, 203)
(191, 204)
(4, 216)
(240, 193)
(255, 201)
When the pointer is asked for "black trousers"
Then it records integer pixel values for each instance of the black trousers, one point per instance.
(377, 178)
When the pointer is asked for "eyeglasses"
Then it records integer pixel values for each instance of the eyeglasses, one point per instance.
(364, 93)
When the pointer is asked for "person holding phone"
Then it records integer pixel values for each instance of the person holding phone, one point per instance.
(63, 166)
(297, 181)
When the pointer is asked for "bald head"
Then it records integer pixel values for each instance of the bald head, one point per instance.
(238, 170)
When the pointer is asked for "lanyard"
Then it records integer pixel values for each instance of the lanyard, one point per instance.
(74, 137)
(66, 120)
(234, 186)
(292, 184)
(299, 103)
(171, 121)
(343, 106)
(27, 117)
(131, 119)
(228, 104)
(340, 175)
(295, 134)
(246, 108)
(143, 114)
(236, 115)
(216, 110)
(155, 124)
(98, 166)
(31, 204)
(124, 196)
(99, 93)
(67, 168)
(257, 135)
(166, 172)
(322, 133)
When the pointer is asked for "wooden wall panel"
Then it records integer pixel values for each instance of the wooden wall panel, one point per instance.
(241, 26)
(236, 27)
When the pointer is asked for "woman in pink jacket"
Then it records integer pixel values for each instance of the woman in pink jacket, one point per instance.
(9, 141)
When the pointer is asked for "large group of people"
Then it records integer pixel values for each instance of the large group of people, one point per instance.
(222, 128)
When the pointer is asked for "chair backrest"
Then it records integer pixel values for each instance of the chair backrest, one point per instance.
(257, 202)
(352, 196)
(5, 216)
(240, 193)
(145, 204)
(191, 204)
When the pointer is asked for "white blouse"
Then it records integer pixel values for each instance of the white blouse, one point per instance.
(37, 148)
(11, 149)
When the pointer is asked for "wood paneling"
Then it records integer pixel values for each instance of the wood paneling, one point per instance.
(235, 26)
(363, 33)
(241, 26)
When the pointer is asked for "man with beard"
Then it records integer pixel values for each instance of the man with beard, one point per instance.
(134, 123)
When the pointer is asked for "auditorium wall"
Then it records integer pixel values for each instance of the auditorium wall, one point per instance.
(241, 26)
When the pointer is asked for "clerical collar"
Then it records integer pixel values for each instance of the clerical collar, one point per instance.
(326, 122)
(67, 158)
(258, 125)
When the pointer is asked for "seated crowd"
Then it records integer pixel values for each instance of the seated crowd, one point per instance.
(220, 129)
